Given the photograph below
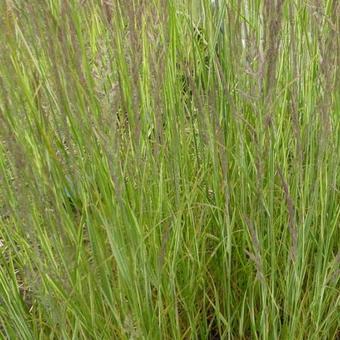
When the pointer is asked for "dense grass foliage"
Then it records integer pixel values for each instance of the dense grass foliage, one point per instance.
(169, 169)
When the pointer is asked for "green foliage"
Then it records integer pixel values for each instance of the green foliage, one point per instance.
(169, 170)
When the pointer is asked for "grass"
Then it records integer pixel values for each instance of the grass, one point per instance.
(169, 170)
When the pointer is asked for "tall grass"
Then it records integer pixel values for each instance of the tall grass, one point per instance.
(169, 169)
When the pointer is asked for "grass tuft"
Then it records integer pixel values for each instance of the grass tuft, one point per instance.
(169, 169)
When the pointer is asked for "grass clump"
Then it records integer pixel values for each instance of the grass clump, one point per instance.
(169, 169)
